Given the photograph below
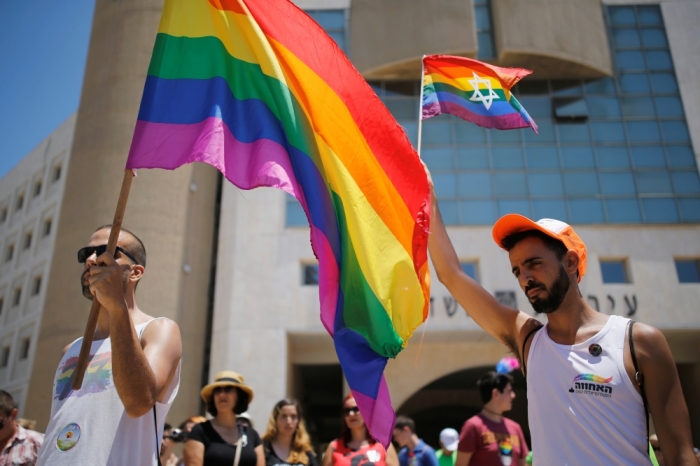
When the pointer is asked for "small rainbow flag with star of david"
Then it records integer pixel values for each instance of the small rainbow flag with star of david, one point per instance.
(474, 91)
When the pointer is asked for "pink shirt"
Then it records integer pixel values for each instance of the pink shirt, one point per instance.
(492, 443)
(22, 449)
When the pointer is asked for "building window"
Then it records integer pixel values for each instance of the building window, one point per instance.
(10, 253)
(36, 286)
(333, 22)
(470, 269)
(309, 274)
(3, 214)
(614, 271)
(37, 188)
(484, 29)
(295, 216)
(625, 157)
(47, 227)
(2, 304)
(5, 357)
(20, 202)
(24, 349)
(28, 240)
(56, 174)
(688, 270)
(17, 297)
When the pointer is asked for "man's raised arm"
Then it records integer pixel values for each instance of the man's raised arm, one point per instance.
(504, 323)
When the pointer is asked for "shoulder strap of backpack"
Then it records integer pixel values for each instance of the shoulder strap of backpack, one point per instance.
(638, 376)
(155, 426)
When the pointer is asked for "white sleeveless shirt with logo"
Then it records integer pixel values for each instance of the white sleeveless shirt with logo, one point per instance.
(91, 426)
(584, 409)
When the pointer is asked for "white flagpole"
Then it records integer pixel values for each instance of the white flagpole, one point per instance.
(420, 104)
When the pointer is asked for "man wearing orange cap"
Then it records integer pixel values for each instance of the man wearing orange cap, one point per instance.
(590, 377)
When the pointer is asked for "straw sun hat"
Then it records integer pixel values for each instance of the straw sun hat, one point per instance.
(226, 379)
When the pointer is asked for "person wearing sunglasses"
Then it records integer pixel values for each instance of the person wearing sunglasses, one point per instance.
(223, 441)
(17, 444)
(133, 373)
(356, 447)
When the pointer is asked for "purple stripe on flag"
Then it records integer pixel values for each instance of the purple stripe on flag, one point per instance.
(378, 414)
(247, 165)
(328, 278)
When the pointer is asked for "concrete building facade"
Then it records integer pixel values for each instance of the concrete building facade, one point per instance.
(615, 94)
(30, 207)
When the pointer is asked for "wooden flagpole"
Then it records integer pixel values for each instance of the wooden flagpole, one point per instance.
(420, 104)
(91, 326)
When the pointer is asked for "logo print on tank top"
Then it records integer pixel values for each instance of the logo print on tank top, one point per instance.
(98, 376)
(591, 384)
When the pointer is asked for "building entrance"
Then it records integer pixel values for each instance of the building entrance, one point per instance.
(450, 400)
(319, 388)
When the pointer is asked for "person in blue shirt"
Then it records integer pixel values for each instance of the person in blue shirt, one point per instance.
(414, 451)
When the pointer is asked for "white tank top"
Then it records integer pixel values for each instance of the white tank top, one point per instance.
(583, 409)
(90, 426)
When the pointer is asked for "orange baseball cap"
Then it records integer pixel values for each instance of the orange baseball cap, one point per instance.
(515, 223)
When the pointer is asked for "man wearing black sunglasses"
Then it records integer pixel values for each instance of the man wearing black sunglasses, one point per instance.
(133, 373)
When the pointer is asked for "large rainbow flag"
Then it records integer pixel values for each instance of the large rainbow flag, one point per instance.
(475, 91)
(258, 90)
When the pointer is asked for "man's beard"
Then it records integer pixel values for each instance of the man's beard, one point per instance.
(555, 294)
(86, 285)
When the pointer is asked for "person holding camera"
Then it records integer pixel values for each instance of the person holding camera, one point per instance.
(223, 441)
(171, 437)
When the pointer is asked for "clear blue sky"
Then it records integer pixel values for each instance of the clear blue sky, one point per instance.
(43, 48)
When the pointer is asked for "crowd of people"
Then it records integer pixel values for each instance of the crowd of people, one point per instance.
(228, 437)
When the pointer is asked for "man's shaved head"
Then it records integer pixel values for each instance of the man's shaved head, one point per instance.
(133, 246)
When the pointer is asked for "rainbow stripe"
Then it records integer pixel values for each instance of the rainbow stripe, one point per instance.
(258, 90)
(475, 91)
(506, 447)
(592, 378)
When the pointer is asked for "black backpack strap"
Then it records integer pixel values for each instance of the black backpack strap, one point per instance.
(638, 377)
(155, 426)
(522, 351)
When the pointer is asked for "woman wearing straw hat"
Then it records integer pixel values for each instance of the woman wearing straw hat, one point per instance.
(223, 441)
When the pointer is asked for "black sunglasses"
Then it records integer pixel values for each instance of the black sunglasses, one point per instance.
(225, 389)
(88, 251)
(350, 411)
